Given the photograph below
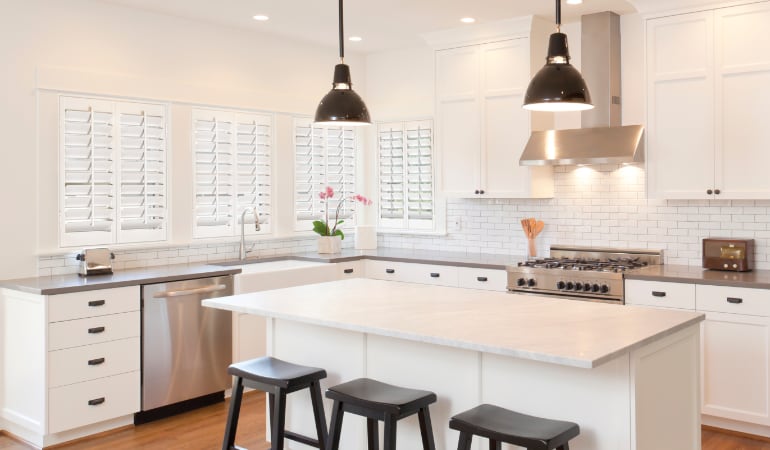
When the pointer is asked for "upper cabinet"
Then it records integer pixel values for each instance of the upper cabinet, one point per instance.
(706, 104)
(481, 128)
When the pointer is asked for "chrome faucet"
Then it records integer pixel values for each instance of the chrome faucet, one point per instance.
(253, 209)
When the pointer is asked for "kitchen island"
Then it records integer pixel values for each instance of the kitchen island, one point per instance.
(628, 376)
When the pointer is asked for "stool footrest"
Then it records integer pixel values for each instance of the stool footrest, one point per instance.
(302, 439)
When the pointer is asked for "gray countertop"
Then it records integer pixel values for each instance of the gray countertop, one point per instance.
(759, 279)
(62, 284)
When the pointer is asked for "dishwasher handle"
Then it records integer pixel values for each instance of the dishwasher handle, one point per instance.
(183, 292)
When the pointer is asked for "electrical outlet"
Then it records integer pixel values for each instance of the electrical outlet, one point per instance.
(455, 225)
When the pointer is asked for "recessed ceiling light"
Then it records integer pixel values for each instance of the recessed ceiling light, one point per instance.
(261, 17)
(355, 38)
(467, 20)
(574, 2)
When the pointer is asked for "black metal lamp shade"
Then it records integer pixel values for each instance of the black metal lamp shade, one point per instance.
(558, 86)
(342, 104)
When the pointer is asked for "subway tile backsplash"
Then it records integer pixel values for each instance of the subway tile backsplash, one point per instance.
(593, 206)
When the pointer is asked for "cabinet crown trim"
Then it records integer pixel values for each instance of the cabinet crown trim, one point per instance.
(517, 27)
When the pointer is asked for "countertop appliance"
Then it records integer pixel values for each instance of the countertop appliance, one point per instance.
(580, 273)
(735, 255)
(95, 261)
(186, 347)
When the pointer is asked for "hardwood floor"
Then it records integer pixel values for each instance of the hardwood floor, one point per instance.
(202, 429)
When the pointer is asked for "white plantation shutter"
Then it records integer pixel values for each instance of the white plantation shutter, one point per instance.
(323, 156)
(232, 171)
(406, 197)
(87, 168)
(112, 172)
(142, 186)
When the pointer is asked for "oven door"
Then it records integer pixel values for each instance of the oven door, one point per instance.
(613, 301)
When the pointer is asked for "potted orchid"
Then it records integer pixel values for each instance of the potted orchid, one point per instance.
(331, 236)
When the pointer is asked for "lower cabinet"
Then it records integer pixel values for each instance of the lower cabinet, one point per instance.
(735, 343)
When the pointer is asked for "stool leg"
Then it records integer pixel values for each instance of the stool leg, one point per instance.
(495, 445)
(335, 426)
(278, 420)
(232, 416)
(426, 429)
(464, 443)
(318, 412)
(564, 446)
(372, 434)
(389, 442)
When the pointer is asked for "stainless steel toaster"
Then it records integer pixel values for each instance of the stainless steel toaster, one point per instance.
(95, 261)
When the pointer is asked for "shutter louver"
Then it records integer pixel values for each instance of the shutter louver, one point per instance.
(88, 203)
(142, 173)
(254, 168)
(406, 175)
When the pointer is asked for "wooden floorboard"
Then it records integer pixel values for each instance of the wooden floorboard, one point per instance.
(202, 429)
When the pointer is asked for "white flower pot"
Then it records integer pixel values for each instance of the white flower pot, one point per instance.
(329, 244)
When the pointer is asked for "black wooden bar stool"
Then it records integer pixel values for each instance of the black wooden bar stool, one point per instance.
(503, 425)
(277, 378)
(379, 401)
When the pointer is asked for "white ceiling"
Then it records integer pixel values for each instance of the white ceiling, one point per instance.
(383, 24)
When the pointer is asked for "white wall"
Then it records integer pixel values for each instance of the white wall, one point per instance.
(92, 47)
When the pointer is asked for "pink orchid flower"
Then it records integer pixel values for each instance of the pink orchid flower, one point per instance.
(360, 198)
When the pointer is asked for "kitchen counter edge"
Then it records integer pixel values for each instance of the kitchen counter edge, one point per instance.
(756, 279)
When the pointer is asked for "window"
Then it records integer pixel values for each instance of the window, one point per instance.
(323, 156)
(406, 175)
(233, 171)
(112, 172)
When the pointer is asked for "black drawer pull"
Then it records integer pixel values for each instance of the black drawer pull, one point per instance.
(96, 401)
(96, 330)
(482, 279)
(435, 275)
(96, 303)
(734, 300)
(390, 270)
(348, 270)
(658, 294)
(95, 362)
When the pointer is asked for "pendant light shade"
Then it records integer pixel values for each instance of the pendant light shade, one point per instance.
(342, 106)
(558, 86)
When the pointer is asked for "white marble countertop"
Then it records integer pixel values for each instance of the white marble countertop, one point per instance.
(566, 332)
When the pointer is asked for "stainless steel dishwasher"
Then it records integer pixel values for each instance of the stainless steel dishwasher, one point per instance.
(186, 347)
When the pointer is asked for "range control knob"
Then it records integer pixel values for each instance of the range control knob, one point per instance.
(604, 288)
(587, 287)
(594, 287)
(521, 282)
(531, 282)
(578, 286)
(570, 285)
(561, 285)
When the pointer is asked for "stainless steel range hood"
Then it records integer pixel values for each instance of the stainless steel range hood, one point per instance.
(602, 140)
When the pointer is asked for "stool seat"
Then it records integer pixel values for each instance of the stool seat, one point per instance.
(276, 372)
(376, 395)
(508, 426)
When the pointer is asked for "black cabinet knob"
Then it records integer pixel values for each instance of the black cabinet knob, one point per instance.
(96, 401)
(658, 294)
(709, 191)
(348, 271)
(435, 275)
(481, 279)
(717, 191)
(390, 270)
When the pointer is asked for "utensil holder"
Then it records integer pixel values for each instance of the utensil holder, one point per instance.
(531, 248)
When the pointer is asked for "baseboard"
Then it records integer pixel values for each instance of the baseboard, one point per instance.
(13, 437)
(736, 428)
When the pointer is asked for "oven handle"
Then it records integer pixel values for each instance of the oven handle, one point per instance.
(200, 290)
(613, 301)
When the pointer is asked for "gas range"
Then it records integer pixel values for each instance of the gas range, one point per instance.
(580, 273)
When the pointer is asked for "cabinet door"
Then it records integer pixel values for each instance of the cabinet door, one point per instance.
(506, 125)
(736, 351)
(742, 102)
(457, 130)
(680, 106)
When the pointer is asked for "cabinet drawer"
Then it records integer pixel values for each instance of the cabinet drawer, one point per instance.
(432, 274)
(112, 397)
(78, 305)
(75, 365)
(487, 279)
(660, 293)
(351, 269)
(93, 330)
(754, 302)
(387, 270)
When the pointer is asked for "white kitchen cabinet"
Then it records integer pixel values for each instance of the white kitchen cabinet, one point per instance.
(705, 95)
(249, 331)
(75, 360)
(660, 294)
(439, 275)
(481, 127)
(484, 279)
(351, 269)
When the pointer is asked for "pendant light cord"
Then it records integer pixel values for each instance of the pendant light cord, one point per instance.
(342, 36)
(558, 15)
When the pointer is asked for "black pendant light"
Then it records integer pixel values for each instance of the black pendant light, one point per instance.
(558, 86)
(342, 106)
